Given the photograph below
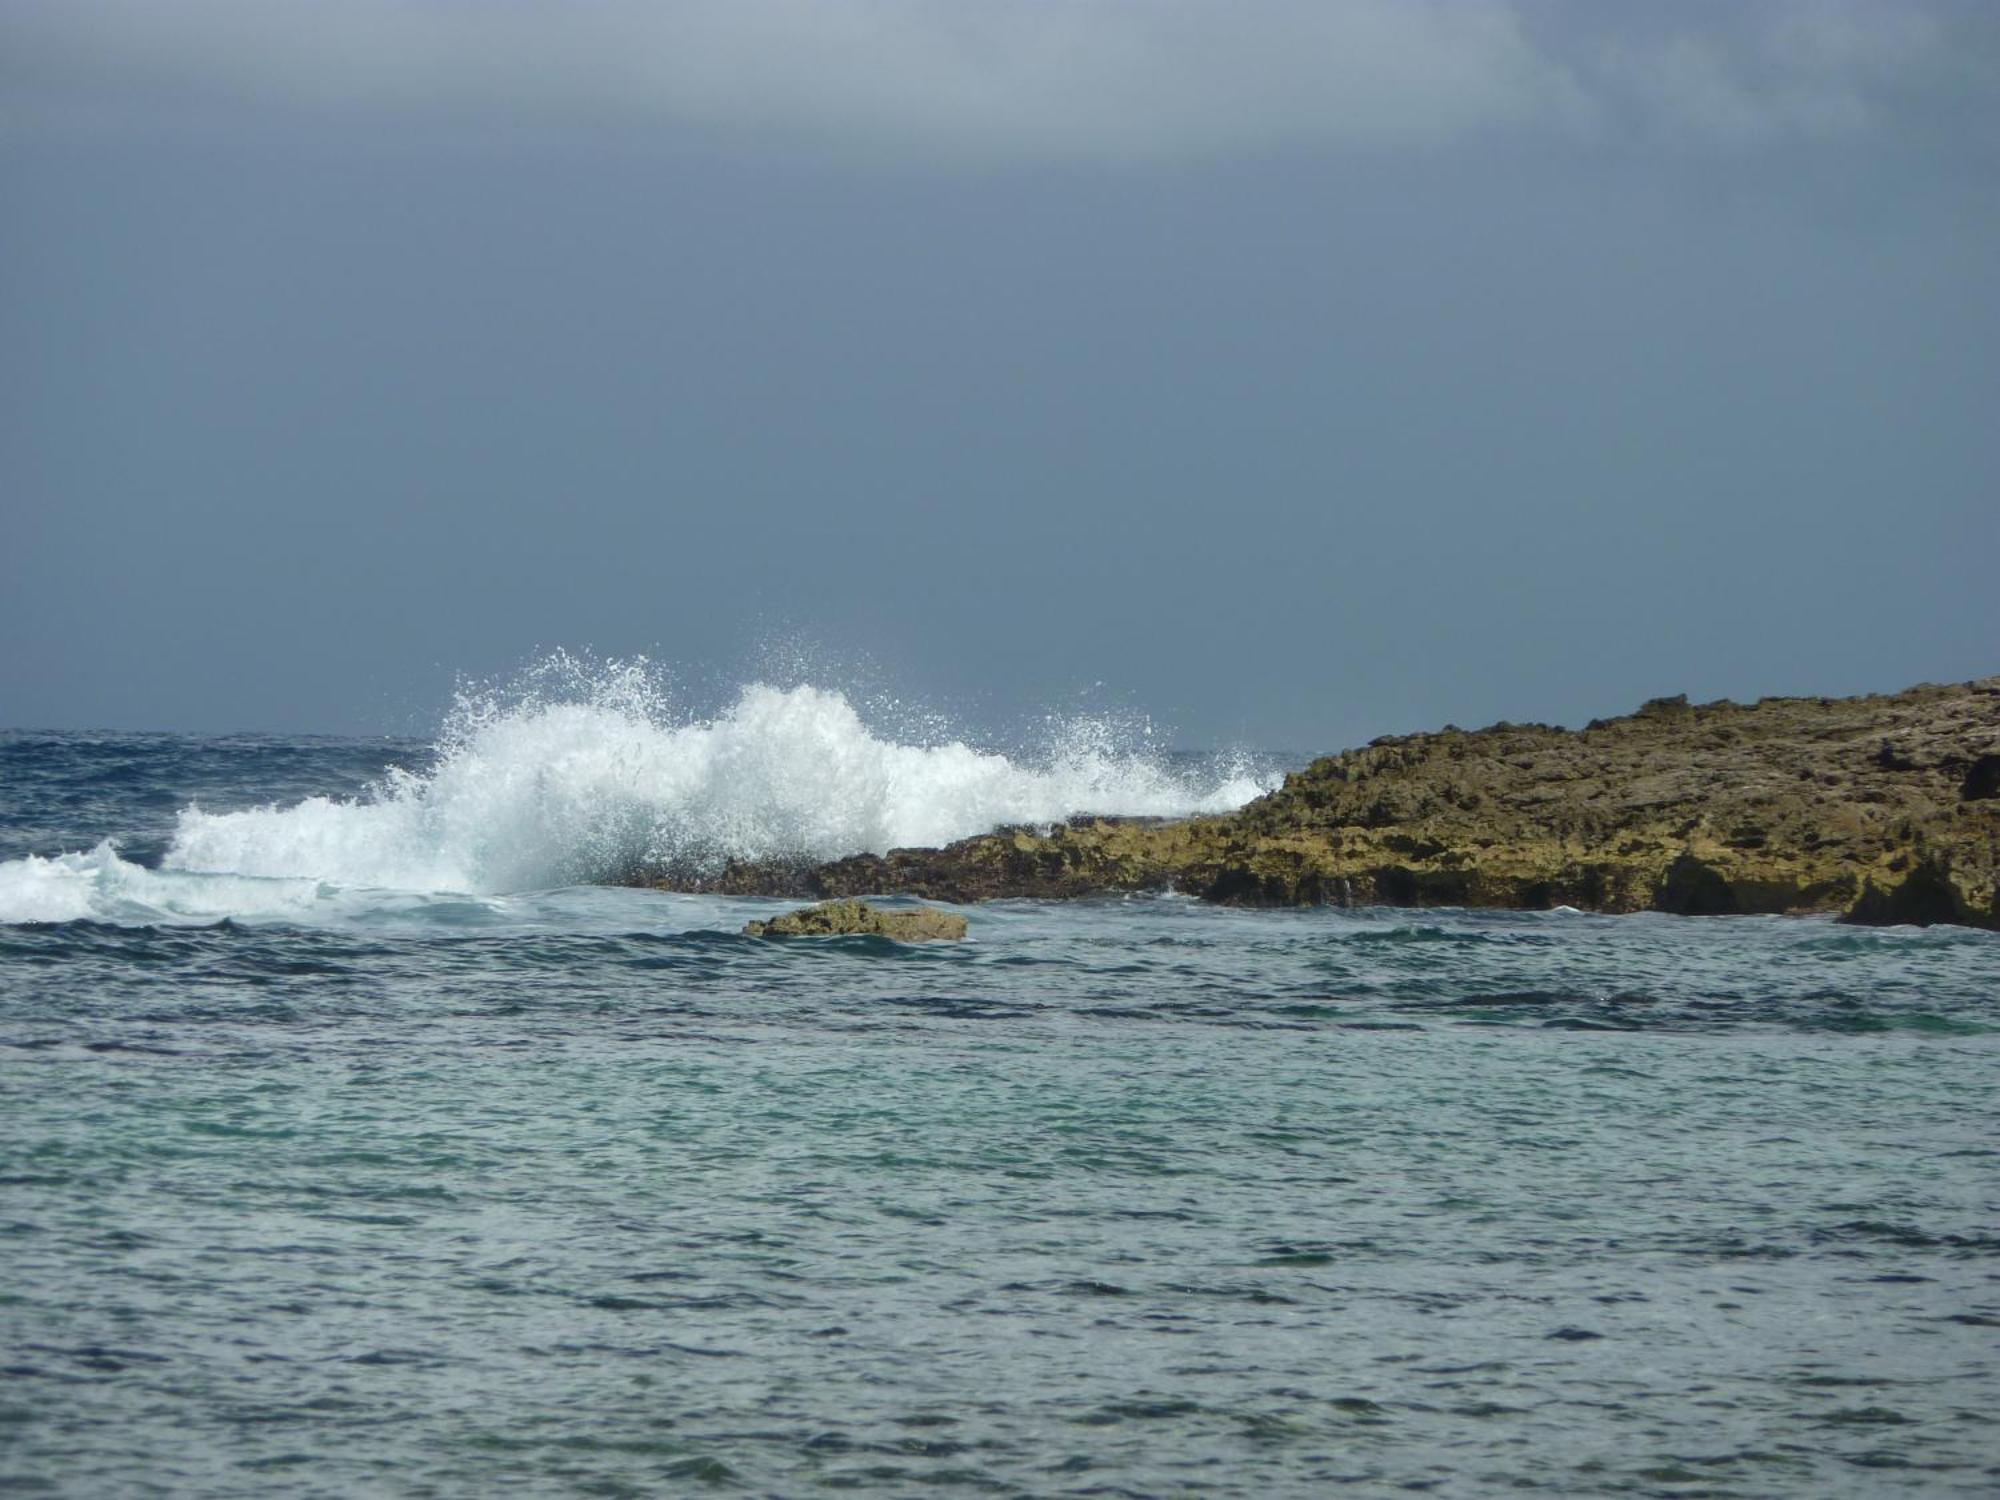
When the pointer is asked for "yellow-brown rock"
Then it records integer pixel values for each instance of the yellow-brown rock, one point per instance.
(844, 918)
(1886, 808)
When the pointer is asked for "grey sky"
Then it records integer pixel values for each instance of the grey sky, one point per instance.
(1297, 371)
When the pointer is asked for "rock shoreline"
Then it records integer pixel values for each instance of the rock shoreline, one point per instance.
(1885, 809)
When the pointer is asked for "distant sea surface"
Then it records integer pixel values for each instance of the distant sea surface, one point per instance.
(355, 1140)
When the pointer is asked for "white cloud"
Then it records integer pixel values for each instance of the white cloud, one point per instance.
(1782, 70)
(1033, 79)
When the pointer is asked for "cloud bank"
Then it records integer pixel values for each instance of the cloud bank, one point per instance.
(1111, 80)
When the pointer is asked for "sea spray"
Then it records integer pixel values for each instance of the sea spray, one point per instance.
(587, 773)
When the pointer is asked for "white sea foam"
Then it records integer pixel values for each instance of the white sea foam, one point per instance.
(100, 886)
(595, 778)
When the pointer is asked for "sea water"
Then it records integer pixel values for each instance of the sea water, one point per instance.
(356, 1139)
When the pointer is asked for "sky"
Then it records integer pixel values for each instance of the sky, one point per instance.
(1291, 371)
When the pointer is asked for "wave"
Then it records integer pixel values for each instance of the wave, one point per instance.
(585, 775)
(100, 886)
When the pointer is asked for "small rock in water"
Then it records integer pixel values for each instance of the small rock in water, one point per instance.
(838, 918)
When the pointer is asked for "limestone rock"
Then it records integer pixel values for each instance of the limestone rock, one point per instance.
(1783, 805)
(1926, 897)
(841, 918)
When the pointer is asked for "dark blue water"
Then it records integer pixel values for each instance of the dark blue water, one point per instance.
(317, 1187)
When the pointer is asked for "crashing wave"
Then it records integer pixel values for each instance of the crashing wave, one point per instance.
(588, 776)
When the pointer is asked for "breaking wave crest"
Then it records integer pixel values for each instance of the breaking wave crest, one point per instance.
(587, 775)
(101, 887)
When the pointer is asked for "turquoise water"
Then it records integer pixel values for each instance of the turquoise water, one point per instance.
(574, 1191)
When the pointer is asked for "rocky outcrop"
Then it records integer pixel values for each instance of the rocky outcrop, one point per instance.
(1926, 896)
(850, 918)
(1884, 808)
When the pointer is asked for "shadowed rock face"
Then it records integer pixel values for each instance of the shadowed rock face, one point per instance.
(1886, 808)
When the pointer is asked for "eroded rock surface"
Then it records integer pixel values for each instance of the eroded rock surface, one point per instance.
(841, 918)
(1883, 807)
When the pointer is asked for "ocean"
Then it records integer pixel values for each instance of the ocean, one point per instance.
(359, 1136)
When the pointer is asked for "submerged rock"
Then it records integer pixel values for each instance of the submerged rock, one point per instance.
(1887, 807)
(841, 918)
